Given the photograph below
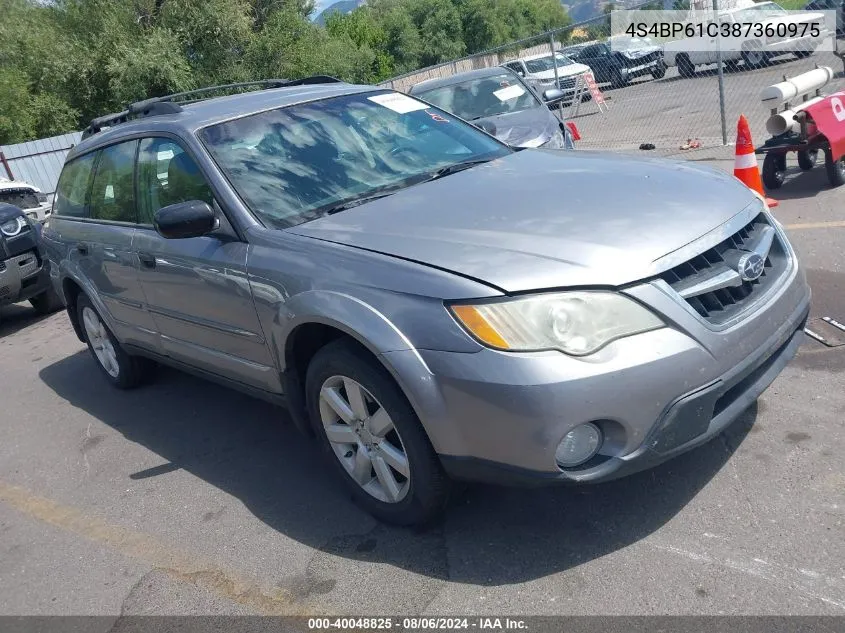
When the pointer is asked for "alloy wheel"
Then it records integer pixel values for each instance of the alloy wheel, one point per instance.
(364, 439)
(100, 342)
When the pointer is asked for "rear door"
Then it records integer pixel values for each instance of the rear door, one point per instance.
(197, 288)
(95, 217)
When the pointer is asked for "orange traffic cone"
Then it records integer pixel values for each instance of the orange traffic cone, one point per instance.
(745, 163)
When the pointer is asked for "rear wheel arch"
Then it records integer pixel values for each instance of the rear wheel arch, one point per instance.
(71, 291)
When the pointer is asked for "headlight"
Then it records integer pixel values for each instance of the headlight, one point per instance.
(556, 142)
(10, 228)
(576, 323)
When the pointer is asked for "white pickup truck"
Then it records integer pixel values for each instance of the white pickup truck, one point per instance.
(753, 51)
(29, 198)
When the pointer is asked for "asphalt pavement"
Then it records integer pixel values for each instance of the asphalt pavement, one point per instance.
(667, 112)
(186, 498)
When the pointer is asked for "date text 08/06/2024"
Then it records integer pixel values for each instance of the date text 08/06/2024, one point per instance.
(419, 623)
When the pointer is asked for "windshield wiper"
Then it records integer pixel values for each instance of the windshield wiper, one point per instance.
(353, 202)
(454, 169)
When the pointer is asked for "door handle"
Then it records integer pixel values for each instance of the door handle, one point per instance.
(82, 248)
(147, 260)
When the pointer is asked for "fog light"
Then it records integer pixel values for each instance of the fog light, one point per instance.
(579, 445)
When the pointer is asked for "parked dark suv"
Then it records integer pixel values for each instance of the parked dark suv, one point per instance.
(625, 59)
(421, 295)
(24, 271)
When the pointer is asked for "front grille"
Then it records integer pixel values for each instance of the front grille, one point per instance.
(711, 282)
(567, 83)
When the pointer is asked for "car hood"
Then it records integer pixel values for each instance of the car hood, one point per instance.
(637, 53)
(539, 219)
(527, 128)
(569, 70)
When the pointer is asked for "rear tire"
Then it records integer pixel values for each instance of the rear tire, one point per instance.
(341, 377)
(47, 302)
(120, 369)
(835, 169)
(754, 56)
(774, 170)
(685, 67)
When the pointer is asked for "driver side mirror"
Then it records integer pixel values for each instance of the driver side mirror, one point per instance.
(553, 94)
(193, 218)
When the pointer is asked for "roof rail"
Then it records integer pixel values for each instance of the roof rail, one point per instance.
(169, 104)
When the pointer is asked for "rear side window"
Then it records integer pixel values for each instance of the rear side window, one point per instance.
(72, 190)
(113, 190)
(167, 175)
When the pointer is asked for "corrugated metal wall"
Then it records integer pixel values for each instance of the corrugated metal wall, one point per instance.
(38, 162)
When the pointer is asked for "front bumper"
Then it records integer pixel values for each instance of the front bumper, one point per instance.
(39, 214)
(499, 416)
(22, 277)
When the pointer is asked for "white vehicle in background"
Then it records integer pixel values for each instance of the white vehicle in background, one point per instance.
(35, 205)
(539, 70)
(783, 32)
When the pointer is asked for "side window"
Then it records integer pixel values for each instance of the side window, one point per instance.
(167, 175)
(113, 190)
(72, 190)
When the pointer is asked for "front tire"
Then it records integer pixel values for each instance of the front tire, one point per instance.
(373, 437)
(618, 79)
(120, 369)
(47, 302)
(807, 158)
(685, 67)
(774, 170)
(659, 71)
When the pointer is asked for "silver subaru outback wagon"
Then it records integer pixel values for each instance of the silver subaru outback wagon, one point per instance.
(430, 303)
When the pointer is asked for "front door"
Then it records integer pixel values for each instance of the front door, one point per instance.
(197, 288)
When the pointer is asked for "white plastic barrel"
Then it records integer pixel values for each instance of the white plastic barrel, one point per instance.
(785, 121)
(799, 85)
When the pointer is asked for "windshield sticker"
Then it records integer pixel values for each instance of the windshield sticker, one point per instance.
(511, 92)
(436, 117)
(398, 102)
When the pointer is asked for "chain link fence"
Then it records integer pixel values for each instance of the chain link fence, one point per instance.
(687, 113)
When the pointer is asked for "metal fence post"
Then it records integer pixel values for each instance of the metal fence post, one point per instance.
(5, 164)
(721, 79)
(557, 78)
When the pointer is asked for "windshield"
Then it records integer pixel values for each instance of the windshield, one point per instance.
(292, 164)
(542, 64)
(21, 198)
(484, 97)
(760, 11)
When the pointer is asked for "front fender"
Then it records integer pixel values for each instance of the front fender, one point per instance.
(348, 314)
